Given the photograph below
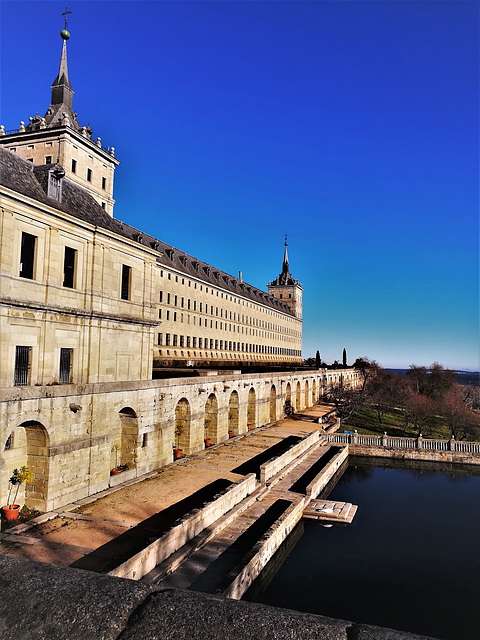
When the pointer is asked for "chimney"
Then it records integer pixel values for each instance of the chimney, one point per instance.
(240, 274)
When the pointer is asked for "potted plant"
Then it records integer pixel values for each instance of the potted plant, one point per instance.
(177, 452)
(230, 434)
(19, 477)
(116, 469)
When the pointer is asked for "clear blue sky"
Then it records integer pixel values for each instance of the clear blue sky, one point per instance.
(353, 126)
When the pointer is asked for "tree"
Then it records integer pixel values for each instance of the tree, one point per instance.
(418, 378)
(440, 381)
(344, 357)
(345, 400)
(419, 410)
(368, 369)
(380, 393)
(461, 420)
(318, 360)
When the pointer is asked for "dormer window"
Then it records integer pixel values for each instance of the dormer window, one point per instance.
(54, 186)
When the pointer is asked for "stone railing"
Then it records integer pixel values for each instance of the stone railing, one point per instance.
(399, 442)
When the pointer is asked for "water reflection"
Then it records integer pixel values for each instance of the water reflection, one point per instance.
(408, 561)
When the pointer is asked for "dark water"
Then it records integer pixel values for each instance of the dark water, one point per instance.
(410, 560)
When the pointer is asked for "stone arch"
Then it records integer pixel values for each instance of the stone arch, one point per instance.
(298, 397)
(288, 393)
(273, 404)
(182, 424)
(28, 445)
(211, 417)
(251, 409)
(233, 411)
(307, 399)
(126, 440)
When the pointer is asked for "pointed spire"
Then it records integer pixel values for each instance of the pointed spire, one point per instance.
(285, 260)
(62, 92)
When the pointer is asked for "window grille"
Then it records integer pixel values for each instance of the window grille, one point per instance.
(65, 366)
(22, 366)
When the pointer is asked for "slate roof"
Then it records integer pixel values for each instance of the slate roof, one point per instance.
(27, 179)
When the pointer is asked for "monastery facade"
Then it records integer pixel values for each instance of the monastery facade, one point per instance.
(90, 306)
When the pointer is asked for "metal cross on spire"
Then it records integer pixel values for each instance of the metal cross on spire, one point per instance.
(65, 13)
(286, 237)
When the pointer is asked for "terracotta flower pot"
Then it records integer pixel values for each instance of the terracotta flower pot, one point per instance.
(177, 453)
(208, 442)
(115, 472)
(11, 511)
(230, 434)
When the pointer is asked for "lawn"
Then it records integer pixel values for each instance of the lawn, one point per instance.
(366, 421)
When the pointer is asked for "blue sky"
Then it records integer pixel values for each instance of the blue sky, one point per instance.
(351, 125)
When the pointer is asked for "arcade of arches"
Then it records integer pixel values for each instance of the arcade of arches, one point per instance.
(72, 443)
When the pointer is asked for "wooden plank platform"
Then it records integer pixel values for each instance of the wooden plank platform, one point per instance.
(330, 512)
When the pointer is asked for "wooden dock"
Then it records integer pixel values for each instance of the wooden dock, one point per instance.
(330, 512)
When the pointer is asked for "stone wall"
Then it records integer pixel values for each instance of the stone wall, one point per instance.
(81, 426)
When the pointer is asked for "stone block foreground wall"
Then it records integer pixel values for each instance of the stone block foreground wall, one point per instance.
(41, 602)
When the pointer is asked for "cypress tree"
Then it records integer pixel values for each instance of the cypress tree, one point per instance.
(344, 357)
(318, 360)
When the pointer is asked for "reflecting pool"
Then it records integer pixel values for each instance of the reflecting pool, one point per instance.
(410, 560)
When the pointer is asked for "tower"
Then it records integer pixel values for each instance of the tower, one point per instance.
(286, 288)
(57, 137)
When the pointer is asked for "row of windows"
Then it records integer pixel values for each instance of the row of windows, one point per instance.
(179, 301)
(27, 265)
(23, 362)
(224, 326)
(175, 340)
(220, 294)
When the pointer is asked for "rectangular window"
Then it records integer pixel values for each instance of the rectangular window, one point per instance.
(160, 297)
(69, 261)
(74, 166)
(188, 342)
(22, 366)
(176, 300)
(159, 314)
(89, 175)
(27, 256)
(167, 339)
(182, 341)
(65, 376)
(104, 183)
(182, 301)
(160, 339)
(174, 316)
(168, 315)
(168, 298)
(48, 159)
(200, 341)
(194, 343)
(126, 278)
(175, 340)
(144, 439)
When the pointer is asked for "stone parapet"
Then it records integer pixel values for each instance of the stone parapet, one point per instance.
(70, 604)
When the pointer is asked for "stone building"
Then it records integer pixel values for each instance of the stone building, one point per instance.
(90, 304)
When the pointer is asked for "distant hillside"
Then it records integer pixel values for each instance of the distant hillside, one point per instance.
(463, 377)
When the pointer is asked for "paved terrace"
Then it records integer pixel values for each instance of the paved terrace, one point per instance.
(64, 536)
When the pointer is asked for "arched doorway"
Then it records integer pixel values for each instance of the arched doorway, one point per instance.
(273, 404)
(233, 413)
(182, 424)
(28, 446)
(251, 409)
(298, 397)
(211, 413)
(127, 441)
